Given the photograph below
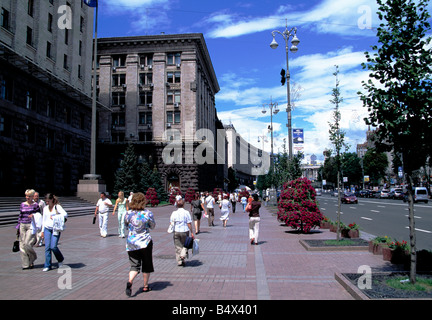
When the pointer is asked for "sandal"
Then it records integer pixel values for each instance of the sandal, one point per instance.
(146, 289)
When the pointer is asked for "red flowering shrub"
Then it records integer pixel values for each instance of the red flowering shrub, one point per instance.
(152, 197)
(216, 193)
(298, 207)
(190, 195)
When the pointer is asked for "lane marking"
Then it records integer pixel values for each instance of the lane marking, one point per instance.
(374, 211)
(421, 230)
(365, 218)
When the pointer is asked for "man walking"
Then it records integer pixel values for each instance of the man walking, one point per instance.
(103, 205)
(210, 202)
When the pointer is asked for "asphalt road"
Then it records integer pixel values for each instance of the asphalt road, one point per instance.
(383, 217)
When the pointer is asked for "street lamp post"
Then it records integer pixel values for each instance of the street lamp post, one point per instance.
(271, 105)
(275, 111)
(295, 41)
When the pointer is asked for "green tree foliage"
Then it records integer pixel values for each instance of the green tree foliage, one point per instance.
(126, 177)
(399, 92)
(375, 165)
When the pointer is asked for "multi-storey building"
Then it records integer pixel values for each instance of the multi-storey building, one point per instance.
(45, 95)
(155, 86)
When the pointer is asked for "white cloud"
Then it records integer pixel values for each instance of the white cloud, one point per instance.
(342, 17)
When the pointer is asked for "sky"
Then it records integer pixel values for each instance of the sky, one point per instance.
(238, 36)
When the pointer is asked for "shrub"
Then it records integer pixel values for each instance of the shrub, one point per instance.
(174, 191)
(190, 195)
(152, 197)
(298, 207)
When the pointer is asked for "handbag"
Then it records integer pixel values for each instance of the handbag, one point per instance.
(188, 244)
(248, 207)
(170, 228)
(15, 247)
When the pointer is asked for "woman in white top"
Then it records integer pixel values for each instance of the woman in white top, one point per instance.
(224, 206)
(53, 220)
(121, 204)
(182, 224)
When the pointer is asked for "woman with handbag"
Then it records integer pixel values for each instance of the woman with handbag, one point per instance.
(53, 220)
(139, 244)
(182, 224)
(27, 234)
(197, 207)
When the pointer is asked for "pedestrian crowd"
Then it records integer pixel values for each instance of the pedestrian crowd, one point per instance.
(42, 222)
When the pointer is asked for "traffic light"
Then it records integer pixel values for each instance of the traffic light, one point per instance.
(283, 78)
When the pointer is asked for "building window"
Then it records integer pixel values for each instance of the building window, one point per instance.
(68, 115)
(118, 79)
(145, 97)
(50, 140)
(79, 72)
(29, 37)
(173, 77)
(30, 103)
(67, 144)
(145, 118)
(5, 23)
(173, 96)
(6, 88)
(118, 119)
(146, 78)
(118, 98)
(50, 108)
(30, 7)
(48, 49)
(82, 121)
(66, 41)
(117, 137)
(50, 22)
(5, 126)
(173, 116)
(145, 136)
(82, 24)
(65, 62)
(119, 60)
(31, 133)
(80, 48)
(146, 60)
(173, 58)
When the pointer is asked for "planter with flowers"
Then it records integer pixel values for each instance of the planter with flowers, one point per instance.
(325, 223)
(396, 252)
(350, 231)
(190, 195)
(297, 206)
(376, 244)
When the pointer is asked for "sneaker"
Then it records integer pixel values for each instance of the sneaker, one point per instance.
(128, 290)
(60, 264)
(46, 269)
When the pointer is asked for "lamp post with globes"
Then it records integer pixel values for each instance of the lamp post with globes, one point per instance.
(271, 105)
(287, 34)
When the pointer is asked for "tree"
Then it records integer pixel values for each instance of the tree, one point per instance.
(399, 92)
(126, 176)
(337, 137)
(375, 165)
(233, 181)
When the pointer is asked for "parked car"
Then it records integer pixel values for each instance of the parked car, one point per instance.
(363, 193)
(384, 193)
(318, 192)
(398, 194)
(349, 198)
(419, 194)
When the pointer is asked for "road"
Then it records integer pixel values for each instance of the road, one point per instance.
(383, 217)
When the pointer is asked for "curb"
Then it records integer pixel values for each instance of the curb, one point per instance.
(355, 292)
(333, 248)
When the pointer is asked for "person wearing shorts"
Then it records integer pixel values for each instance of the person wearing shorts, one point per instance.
(139, 244)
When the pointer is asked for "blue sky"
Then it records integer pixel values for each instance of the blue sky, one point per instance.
(238, 35)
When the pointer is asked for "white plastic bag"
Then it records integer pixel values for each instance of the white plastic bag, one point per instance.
(195, 248)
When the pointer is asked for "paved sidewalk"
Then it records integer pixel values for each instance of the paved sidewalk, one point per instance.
(227, 267)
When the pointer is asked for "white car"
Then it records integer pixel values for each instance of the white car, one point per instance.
(318, 192)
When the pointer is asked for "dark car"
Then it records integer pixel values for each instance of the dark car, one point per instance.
(363, 193)
(398, 194)
(349, 198)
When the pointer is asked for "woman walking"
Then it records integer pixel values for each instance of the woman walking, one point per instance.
(121, 204)
(52, 224)
(197, 207)
(182, 224)
(139, 244)
(224, 206)
(27, 233)
(254, 220)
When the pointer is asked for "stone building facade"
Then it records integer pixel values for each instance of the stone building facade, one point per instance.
(45, 88)
(161, 91)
